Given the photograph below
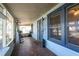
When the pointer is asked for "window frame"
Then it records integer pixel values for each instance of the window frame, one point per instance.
(4, 17)
(64, 23)
(70, 45)
(60, 12)
(10, 39)
(2, 34)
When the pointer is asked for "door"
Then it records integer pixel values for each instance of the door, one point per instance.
(40, 29)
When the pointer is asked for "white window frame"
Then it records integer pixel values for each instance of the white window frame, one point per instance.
(3, 15)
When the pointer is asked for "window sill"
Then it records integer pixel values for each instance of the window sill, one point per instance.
(9, 43)
(3, 51)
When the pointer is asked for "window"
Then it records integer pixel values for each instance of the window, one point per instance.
(1, 26)
(9, 32)
(73, 24)
(25, 29)
(1, 32)
(63, 26)
(54, 26)
(6, 27)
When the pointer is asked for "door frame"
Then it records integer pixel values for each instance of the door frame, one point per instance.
(40, 29)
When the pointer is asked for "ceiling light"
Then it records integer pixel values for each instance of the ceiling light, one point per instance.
(76, 12)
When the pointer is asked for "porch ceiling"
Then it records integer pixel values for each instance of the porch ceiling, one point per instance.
(26, 13)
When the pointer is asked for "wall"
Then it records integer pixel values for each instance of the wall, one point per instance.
(60, 50)
(55, 48)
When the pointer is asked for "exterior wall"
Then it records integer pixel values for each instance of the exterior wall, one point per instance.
(56, 48)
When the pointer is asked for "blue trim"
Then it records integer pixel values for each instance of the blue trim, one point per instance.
(70, 45)
(64, 22)
(61, 13)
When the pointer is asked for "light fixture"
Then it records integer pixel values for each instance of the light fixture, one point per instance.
(76, 13)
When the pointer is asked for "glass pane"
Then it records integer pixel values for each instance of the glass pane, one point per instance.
(73, 25)
(9, 32)
(25, 29)
(0, 32)
(55, 28)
